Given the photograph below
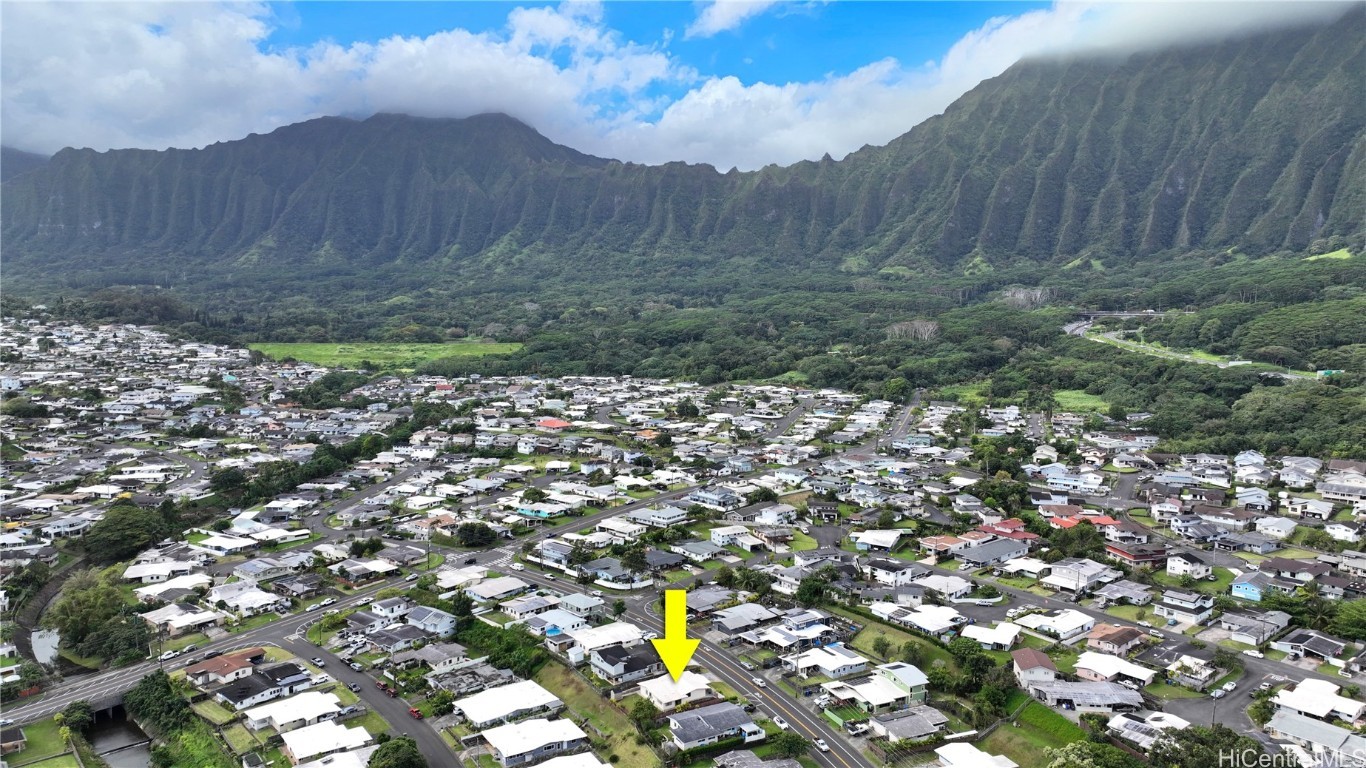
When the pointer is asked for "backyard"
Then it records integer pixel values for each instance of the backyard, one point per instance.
(584, 702)
(1039, 730)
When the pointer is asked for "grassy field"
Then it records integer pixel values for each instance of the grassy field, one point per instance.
(1223, 578)
(1341, 253)
(1040, 729)
(1079, 400)
(382, 354)
(964, 393)
(863, 641)
(587, 703)
(1167, 692)
(43, 741)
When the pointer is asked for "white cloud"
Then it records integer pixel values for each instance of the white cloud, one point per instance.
(724, 15)
(189, 74)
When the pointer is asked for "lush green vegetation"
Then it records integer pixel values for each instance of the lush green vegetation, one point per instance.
(379, 355)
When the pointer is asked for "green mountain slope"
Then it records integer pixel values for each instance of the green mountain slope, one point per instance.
(1257, 144)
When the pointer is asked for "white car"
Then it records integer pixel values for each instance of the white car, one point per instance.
(649, 636)
(1230, 686)
(596, 593)
(167, 656)
(1254, 654)
(1144, 624)
(518, 567)
(822, 746)
(781, 723)
(328, 601)
(759, 681)
(1218, 693)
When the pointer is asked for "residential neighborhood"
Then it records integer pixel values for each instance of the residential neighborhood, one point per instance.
(316, 562)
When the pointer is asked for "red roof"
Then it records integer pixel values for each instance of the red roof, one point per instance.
(552, 423)
(1032, 658)
(1104, 520)
(1063, 522)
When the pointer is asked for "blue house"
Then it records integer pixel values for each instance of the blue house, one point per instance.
(1250, 586)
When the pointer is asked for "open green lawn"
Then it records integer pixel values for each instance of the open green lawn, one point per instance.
(1223, 578)
(863, 641)
(1295, 554)
(1128, 612)
(964, 393)
(1166, 691)
(587, 703)
(382, 354)
(1341, 253)
(213, 712)
(60, 761)
(1039, 730)
(43, 741)
(1079, 400)
(801, 542)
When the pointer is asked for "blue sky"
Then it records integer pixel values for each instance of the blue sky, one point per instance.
(733, 83)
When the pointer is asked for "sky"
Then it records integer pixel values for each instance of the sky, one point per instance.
(733, 83)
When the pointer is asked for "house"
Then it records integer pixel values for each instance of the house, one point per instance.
(917, 723)
(740, 618)
(617, 664)
(1328, 744)
(948, 587)
(712, 723)
(667, 694)
(1112, 639)
(1279, 528)
(225, 668)
(1032, 667)
(1138, 554)
(1312, 643)
(998, 638)
(12, 739)
(507, 702)
(1103, 667)
(1301, 571)
(1319, 699)
(1185, 607)
(877, 540)
(264, 684)
(1253, 630)
(1078, 575)
(1310, 509)
(994, 552)
(735, 536)
(323, 738)
(1192, 672)
(894, 573)
(891, 686)
(961, 754)
(1063, 624)
(1348, 532)
(432, 620)
(1144, 731)
(1186, 563)
(1251, 585)
(298, 711)
(1124, 591)
(833, 661)
(531, 741)
(1088, 696)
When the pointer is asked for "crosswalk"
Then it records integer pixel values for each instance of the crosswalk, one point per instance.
(506, 556)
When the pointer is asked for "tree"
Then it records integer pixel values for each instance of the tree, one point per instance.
(881, 645)
(398, 753)
(886, 519)
(725, 576)
(644, 714)
(475, 535)
(790, 744)
(811, 590)
(78, 715)
(88, 600)
(911, 652)
(534, 495)
(1089, 754)
(618, 608)
(1261, 710)
(124, 531)
(1200, 747)
(1350, 621)
(634, 560)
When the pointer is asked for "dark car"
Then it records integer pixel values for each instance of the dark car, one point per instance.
(355, 687)
(471, 560)
(212, 654)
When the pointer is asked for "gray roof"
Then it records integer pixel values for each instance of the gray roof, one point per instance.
(918, 722)
(1295, 726)
(705, 722)
(1087, 693)
(994, 550)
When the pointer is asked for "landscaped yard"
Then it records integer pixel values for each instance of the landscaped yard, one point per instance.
(1167, 692)
(1129, 612)
(1040, 729)
(586, 703)
(382, 354)
(44, 740)
(863, 641)
(801, 542)
(213, 712)
(1223, 578)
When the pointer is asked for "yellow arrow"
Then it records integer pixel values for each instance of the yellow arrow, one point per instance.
(675, 649)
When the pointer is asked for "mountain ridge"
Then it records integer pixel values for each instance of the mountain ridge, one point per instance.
(1255, 144)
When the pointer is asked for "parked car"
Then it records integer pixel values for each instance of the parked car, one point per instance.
(822, 746)
(212, 655)
(1144, 624)
(747, 665)
(1218, 693)
(5, 721)
(1230, 686)
(1264, 687)
(322, 679)
(596, 593)
(314, 607)
(649, 636)
(411, 577)
(188, 648)
(759, 681)
(414, 713)
(1211, 577)
(1254, 654)
(365, 601)
(328, 601)
(167, 656)
(1156, 633)
(781, 723)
